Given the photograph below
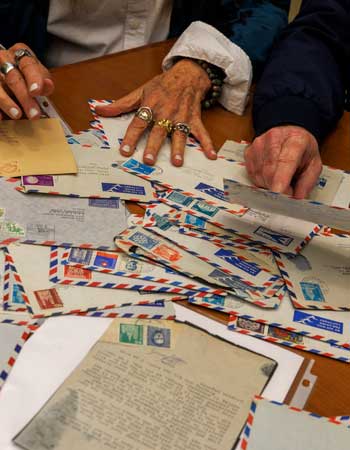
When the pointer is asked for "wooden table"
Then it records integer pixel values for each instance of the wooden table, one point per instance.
(111, 77)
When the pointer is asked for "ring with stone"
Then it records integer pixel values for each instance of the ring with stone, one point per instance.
(20, 53)
(182, 127)
(6, 67)
(165, 123)
(145, 113)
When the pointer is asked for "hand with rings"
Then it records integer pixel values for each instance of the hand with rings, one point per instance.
(171, 104)
(22, 78)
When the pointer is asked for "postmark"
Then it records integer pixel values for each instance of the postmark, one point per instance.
(48, 299)
(105, 260)
(41, 231)
(205, 208)
(179, 198)
(77, 273)
(143, 240)
(80, 255)
(131, 334)
(123, 188)
(158, 337)
(104, 202)
(131, 265)
(250, 325)
(12, 229)
(38, 180)
(285, 335)
(168, 253)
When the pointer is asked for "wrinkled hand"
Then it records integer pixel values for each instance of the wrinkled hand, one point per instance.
(175, 95)
(285, 159)
(19, 87)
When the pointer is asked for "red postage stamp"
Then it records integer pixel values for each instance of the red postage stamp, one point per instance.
(170, 254)
(77, 272)
(48, 298)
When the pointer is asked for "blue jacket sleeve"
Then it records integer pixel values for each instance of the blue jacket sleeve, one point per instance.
(305, 78)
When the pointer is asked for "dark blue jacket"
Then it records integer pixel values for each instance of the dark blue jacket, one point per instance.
(307, 77)
(252, 24)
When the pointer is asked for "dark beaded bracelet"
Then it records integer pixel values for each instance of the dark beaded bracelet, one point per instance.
(216, 76)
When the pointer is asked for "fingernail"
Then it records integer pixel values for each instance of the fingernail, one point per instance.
(126, 148)
(33, 87)
(213, 153)
(277, 187)
(14, 112)
(149, 156)
(33, 112)
(178, 158)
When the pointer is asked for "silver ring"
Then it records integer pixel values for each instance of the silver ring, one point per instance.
(20, 53)
(182, 127)
(2, 47)
(6, 67)
(145, 113)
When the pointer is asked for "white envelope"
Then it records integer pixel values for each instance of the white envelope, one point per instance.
(45, 298)
(318, 208)
(126, 267)
(276, 426)
(50, 220)
(280, 233)
(319, 277)
(98, 176)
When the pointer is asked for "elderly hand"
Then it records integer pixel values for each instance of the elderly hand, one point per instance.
(285, 159)
(175, 95)
(21, 83)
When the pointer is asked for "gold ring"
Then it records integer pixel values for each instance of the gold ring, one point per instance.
(165, 123)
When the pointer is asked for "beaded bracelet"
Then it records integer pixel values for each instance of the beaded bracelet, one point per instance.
(216, 76)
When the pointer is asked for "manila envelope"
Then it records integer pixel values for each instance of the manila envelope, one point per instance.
(34, 147)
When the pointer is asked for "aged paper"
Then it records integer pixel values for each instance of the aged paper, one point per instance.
(184, 390)
(34, 147)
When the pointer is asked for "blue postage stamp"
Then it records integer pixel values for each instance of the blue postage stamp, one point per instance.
(138, 167)
(318, 322)
(312, 291)
(158, 337)
(17, 297)
(80, 255)
(273, 236)
(123, 188)
(105, 260)
(215, 300)
(211, 190)
(179, 198)
(231, 258)
(104, 202)
(196, 221)
(205, 208)
(162, 222)
(143, 240)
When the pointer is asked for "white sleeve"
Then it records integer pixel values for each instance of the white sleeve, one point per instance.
(202, 41)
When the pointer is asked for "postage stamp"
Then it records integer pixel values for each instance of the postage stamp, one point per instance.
(250, 325)
(158, 337)
(195, 221)
(170, 254)
(179, 198)
(215, 300)
(77, 272)
(312, 291)
(131, 334)
(162, 222)
(12, 229)
(143, 240)
(38, 180)
(48, 298)
(236, 261)
(211, 190)
(205, 208)
(105, 260)
(138, 167)
(319, 322)
(17, 297)
(285, 335)
(80, 255)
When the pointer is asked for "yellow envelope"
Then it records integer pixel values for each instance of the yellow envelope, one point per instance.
(34, 148)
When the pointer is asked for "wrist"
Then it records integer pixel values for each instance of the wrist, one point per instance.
(195, 74)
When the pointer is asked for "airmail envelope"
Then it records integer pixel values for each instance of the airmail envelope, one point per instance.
(98, 176)
(34, 146)
(50, 220)
(45, 298)
(130, 268)
(319, 208)
(319, 277)
(281, 233)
